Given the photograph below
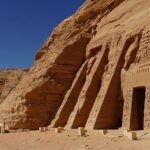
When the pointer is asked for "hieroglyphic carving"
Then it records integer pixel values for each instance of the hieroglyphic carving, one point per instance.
(144, 50)
(127, 108)
(147, 108)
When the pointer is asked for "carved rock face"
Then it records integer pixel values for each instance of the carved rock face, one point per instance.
(85, 73)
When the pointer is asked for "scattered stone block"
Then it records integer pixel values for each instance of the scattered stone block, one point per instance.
(4, 128)
(7, 129)
(45, 129)
(103, 132)
(59, 130)
(41, 129)
(81, 131)
(130, 135)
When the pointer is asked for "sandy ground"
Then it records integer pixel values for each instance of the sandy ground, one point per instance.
(69, 140)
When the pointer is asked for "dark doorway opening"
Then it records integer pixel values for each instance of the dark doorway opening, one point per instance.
(137, 110)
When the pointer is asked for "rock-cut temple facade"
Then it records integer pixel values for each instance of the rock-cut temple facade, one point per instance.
(93, 71)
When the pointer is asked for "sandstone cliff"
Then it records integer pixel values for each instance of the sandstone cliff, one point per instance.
(79, 74)
(9, 78)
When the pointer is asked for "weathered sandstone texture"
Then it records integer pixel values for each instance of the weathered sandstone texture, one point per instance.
(9, 78)
(92, 72)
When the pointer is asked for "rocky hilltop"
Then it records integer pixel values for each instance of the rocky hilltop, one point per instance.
(88, 72)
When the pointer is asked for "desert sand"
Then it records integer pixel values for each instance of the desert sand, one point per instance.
(69, 140)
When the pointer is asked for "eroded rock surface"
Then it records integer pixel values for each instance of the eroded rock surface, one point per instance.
(9, 78)
(86, 72)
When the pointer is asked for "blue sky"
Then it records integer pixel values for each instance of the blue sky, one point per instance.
(25, 25)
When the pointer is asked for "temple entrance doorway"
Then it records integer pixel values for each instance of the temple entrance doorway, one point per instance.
(137, 109)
